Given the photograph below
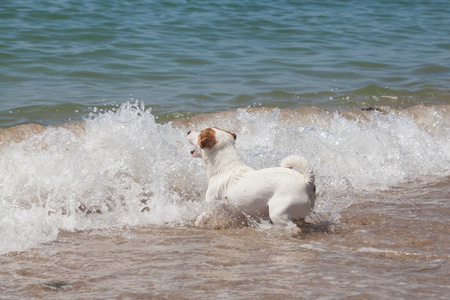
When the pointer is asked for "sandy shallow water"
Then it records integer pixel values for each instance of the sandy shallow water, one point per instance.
(382, 248)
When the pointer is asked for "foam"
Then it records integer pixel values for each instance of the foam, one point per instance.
(392, 252)
(122, 168)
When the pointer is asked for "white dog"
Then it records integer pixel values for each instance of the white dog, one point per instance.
(282, 194)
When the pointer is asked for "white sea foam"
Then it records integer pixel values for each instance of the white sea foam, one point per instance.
(126, 170)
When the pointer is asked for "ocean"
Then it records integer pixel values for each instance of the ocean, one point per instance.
(98, 190)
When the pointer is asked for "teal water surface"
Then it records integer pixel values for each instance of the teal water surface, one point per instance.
(59, 59)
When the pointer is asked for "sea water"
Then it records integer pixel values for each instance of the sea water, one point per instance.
(99, 194)
(59, 59)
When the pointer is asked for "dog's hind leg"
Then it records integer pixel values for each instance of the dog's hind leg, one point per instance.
(278, 214)
(287, 210)
(280, 219)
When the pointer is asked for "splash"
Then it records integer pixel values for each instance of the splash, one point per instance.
(122, 168)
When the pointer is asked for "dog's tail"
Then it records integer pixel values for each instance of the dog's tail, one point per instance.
(301, 164)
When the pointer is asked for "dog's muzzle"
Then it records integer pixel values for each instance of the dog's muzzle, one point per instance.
(192, 137)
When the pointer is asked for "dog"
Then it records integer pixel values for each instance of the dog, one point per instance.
(282, 194)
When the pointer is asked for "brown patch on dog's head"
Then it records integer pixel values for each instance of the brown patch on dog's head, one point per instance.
(207, 138)
(232, 134)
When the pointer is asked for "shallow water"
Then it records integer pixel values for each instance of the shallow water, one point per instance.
(383, 247)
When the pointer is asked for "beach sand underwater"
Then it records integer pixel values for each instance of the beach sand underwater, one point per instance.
(104, 208)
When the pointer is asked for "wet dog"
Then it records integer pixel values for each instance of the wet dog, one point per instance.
(283, 194)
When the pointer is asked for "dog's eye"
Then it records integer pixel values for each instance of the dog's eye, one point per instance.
(188, 132)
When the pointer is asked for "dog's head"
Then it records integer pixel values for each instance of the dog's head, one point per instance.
(209, 139)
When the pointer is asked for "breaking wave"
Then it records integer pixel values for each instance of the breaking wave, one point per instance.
(123, 168)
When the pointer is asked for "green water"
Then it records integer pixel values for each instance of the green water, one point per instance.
(59, 60)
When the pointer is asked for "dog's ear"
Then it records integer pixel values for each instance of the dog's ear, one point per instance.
(207, 138)
(232, 134)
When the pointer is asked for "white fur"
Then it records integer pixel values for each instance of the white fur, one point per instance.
(283, 194)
